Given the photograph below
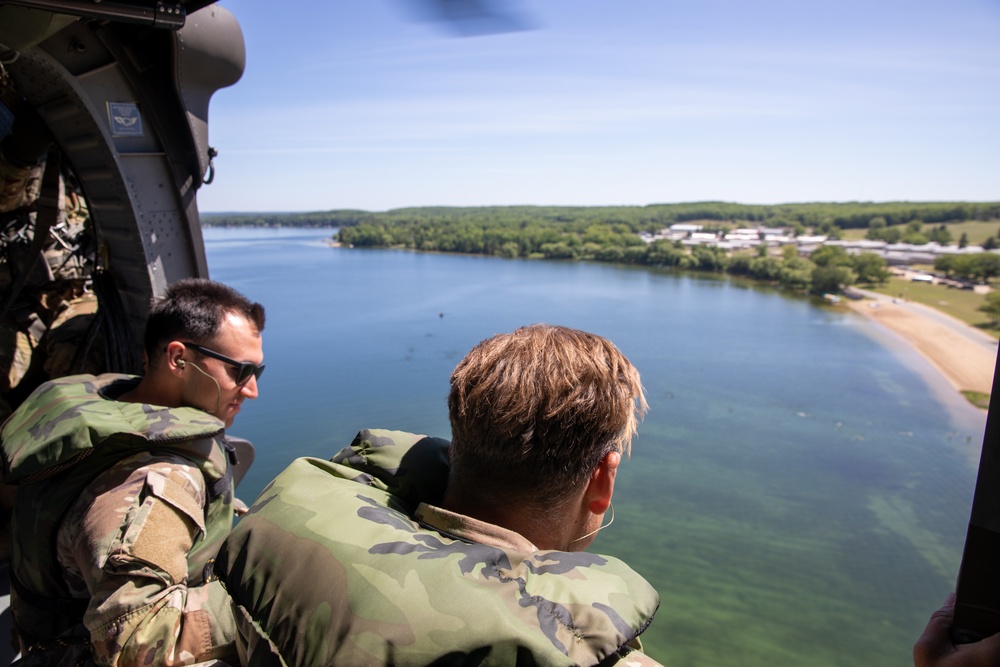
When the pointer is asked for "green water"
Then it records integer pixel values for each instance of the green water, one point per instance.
(798, 493)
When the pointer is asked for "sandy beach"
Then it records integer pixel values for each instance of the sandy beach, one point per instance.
(964, 355)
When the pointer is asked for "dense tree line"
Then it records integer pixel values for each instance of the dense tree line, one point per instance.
(828, 270)
(339, 218)
(980, 266)
(912, 232)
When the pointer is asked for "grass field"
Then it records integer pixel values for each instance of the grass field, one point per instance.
(961, 304)
(976, 231)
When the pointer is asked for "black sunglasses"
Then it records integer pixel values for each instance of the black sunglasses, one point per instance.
(245, 368)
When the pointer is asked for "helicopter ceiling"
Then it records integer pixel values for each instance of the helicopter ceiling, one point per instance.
(464, 17)
(152, 13)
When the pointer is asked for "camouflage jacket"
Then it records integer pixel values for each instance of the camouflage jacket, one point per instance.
(329, 567)
(120, 510)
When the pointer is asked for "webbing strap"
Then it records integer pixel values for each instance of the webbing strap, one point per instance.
(224, 484)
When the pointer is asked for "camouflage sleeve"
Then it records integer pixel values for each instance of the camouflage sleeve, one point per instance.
(134, 529)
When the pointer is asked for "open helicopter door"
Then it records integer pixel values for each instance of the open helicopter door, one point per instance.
(122, 88)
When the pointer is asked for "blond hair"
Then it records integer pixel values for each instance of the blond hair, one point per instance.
(534, 411)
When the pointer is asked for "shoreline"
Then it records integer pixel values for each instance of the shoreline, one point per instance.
(963, 356)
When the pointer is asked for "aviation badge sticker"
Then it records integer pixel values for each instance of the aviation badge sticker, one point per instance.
(125, 119)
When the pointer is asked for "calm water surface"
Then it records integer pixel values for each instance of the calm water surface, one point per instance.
(798, 493)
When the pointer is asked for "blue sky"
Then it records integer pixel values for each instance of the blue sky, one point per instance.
(354, 104)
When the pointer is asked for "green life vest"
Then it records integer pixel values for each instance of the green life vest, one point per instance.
(60, 440)
(329, 568)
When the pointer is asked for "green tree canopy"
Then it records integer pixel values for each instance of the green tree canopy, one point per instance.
(831, 279)
(992, 307)
(829, 255)
(870, 268)
(940, 235)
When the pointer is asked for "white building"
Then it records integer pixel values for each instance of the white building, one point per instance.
(746, 238)
(686, 228)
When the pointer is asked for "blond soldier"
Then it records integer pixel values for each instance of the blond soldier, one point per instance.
(126, 491)
(385, 555)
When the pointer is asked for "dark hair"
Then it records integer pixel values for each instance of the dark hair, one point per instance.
(534, 411)
(192, 310)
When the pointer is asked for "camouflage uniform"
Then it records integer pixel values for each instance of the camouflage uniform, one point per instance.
(334, 565)
(120, 510)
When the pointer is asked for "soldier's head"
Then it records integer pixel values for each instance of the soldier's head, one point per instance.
(203, 347)
(534, 412)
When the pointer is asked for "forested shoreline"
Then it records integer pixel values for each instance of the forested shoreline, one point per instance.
(821, 216)
(612, 234)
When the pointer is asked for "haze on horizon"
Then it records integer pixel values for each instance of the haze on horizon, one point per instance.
(354, 104)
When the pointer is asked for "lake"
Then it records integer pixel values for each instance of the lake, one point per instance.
(798, 493)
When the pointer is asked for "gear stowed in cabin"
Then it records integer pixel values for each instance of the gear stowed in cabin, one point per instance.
(47, 264)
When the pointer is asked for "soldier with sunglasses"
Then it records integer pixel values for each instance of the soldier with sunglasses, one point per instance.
(126, 492)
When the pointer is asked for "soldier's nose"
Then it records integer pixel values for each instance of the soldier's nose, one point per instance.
(249, 390)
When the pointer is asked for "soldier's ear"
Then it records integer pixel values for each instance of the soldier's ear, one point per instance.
(602, 483)
(175, 350)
